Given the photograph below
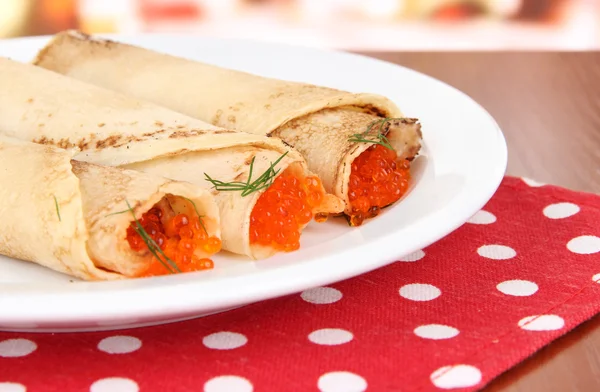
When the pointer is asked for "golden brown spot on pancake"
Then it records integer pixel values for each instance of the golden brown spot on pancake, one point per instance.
(180, 126)
(238, 177)
(109, 141)
(370, 109)
(182, 134)
(133, 123)
(249, 159)
(101, 125)
(30, 100)
(267, 106)
(41, 124)
(43, 140)
(217, 116)
(159, 123)
(220, 131)
(82, 144)
(148, 134)
(49, 114)
(65, 143)
(231, 119)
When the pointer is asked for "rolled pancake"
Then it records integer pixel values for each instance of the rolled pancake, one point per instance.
(317, 121)
(116, 130)
(67, 215)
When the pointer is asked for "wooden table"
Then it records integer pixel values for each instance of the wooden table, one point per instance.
(548, 105)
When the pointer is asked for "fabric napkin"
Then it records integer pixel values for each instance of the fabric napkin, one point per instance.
(520, 273)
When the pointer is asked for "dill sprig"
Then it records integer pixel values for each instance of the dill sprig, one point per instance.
(197, 213)
(152, 245)
(380, 138)
(57, 208)
(116, 213)
(263, 181)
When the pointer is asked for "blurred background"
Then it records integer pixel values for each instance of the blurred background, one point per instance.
(338, 24)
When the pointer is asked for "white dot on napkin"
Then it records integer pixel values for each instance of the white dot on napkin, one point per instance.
(545, 322)
(330, 336)
(114, 384)
(561, 210)
(228, 384)
(517, 288)
(596, 278)
(321, 295)
(435, 331)
(584, 245)
(224, 340)
(341, 382)
(532, 183)
(412, 257)
(12, 387)
(420, 292)
(119, 344)
(456, 376)
(11, 348)
(482, 217)
(496, 252)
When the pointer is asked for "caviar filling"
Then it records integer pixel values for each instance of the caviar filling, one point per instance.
(378, 179)
(284, 209)
(181, 235)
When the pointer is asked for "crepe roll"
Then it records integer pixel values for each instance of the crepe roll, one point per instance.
(264, 190)
(360, 145)
(96, 222)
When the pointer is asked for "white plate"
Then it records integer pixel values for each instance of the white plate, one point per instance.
(463, 162)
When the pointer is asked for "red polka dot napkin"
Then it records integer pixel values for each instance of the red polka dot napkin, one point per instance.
(522, 272)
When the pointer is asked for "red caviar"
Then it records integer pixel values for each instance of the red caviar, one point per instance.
(377, 180)
(283, 209)
(178, 236)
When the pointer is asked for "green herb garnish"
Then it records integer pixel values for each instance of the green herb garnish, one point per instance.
(380, 138)
(116, 213)
(57, 209)
(197, 213)
(152, 245)
(264, 181)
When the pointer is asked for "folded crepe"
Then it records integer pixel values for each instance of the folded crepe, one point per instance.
(247, 173)
(80, 218)
(360, 145)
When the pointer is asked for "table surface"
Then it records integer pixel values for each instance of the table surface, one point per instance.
(548, 106)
